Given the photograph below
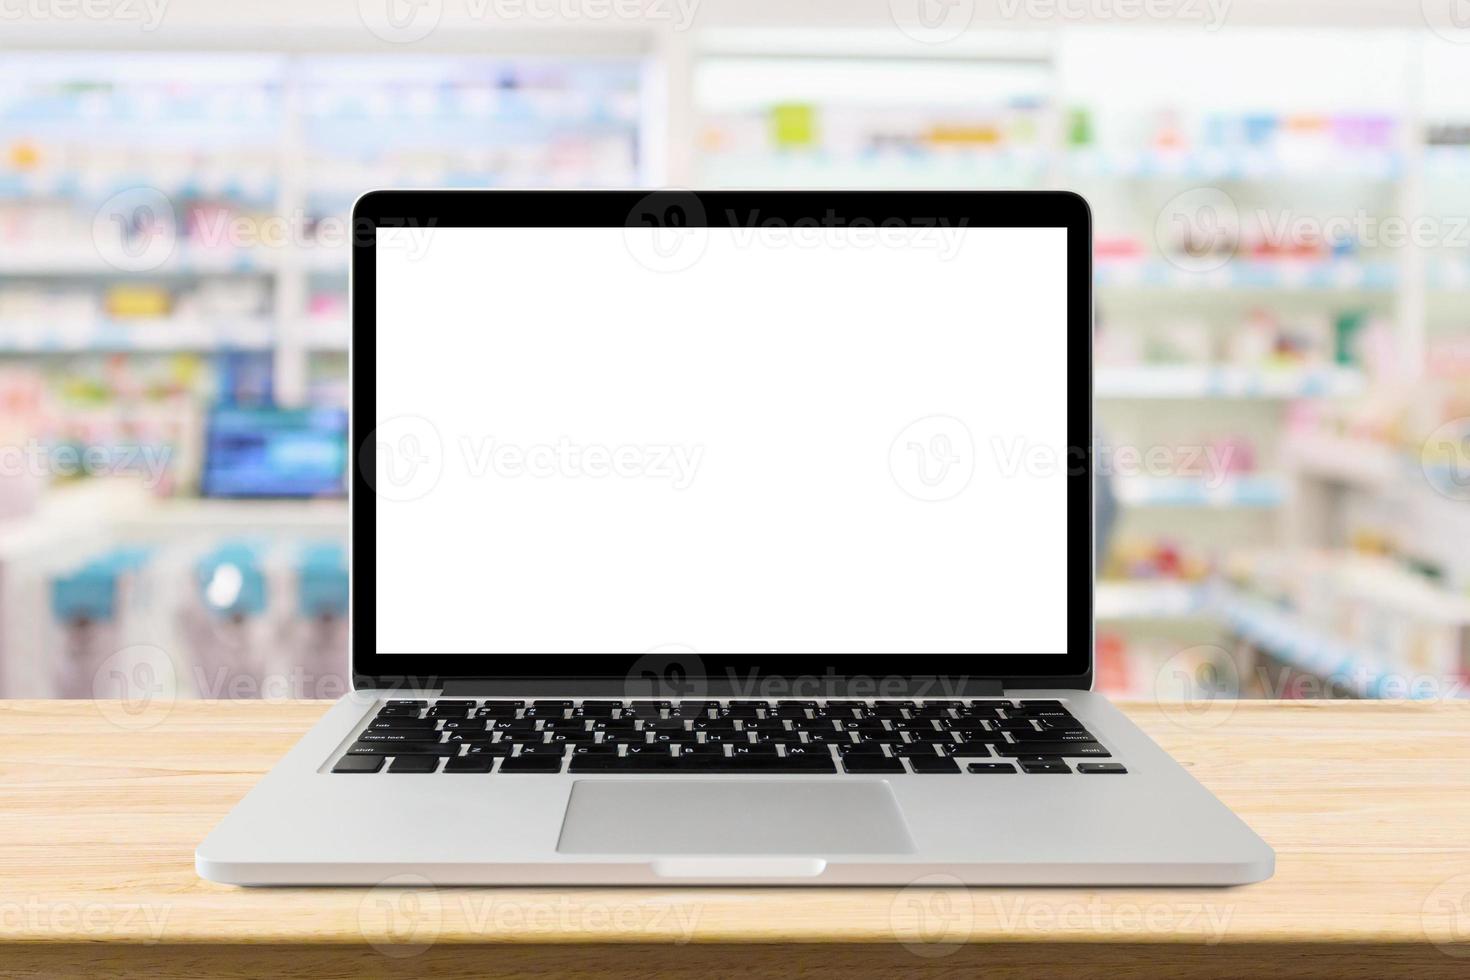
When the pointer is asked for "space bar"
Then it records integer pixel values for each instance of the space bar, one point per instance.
(643, 762)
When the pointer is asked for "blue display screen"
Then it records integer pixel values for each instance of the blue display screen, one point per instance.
(275, 452)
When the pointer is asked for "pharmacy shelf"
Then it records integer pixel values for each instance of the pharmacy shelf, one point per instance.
(85, 259)
(896, 168)
(1446, 274)
(1287, 638)
(1238, 164)
(1247, 275)
(1151, 600)
(1190, 381)
(160, 335)
(1358, 462)
(1246, 491)
(252, 188)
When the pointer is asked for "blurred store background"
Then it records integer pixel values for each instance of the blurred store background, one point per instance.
(1282, 202)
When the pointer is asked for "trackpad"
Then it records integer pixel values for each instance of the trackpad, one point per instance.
(733, 816)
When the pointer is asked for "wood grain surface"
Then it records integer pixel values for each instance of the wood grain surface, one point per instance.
(1366, 803)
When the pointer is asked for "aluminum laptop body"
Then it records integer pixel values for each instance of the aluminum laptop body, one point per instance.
(725, 538)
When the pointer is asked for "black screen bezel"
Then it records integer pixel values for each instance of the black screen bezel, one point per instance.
(427, 210)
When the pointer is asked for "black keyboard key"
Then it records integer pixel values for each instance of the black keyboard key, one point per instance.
(932, 765)
(872, 763)
(398, 737)
(1051, 714)
(552, 704)
(1049, 766)
(532, 763)
(420, 748)
(415, 763)
(489, 750)
(602, 704)
(1101, 767)
(660, 761)
(990, 767)
(359, 763)
(402, 725)
(922, 749)
(1029, 737)
(751, 749)
(470, 763)
(970, 750)
(468, 738)
(698, 763)
(406, 703)
(465, 725)
(1053, 749)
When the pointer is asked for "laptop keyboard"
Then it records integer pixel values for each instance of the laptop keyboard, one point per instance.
(990, 737)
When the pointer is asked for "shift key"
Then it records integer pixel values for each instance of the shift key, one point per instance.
(1087, 749)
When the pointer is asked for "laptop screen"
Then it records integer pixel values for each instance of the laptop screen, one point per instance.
(737, 440)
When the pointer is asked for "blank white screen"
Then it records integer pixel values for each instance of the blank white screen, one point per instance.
(732, 456)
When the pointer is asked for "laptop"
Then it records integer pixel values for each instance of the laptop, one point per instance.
(724, 538)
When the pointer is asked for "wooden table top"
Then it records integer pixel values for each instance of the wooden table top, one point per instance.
(1366, 803)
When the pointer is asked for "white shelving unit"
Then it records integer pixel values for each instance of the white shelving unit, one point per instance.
(700, 85)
